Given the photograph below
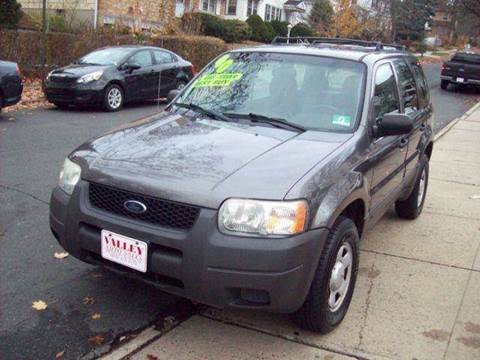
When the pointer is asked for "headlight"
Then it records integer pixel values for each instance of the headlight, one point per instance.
(90, 77)
(258, 217)
(69, 176)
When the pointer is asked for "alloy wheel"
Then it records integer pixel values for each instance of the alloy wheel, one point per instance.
(114, 98)
(340, 276)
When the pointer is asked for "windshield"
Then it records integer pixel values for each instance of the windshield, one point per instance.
(111, 56)
(314, 92)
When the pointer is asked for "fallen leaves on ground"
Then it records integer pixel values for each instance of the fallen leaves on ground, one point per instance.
(151, 357)
(39, 305)
(60, 255)
(32, 96)
(96, 316)
(59, 354)
(96, 340)
(88, 300)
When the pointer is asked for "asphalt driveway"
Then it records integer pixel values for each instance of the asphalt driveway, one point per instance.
(88, 309)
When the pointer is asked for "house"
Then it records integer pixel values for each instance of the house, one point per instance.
(441, 26)
(141, 14)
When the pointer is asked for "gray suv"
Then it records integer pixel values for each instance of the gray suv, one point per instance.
(254, 186)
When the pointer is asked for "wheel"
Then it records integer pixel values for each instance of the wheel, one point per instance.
(62, 106)
(444, 84)
(413, 205)
(334, 280)
(181, 84)
(113, 100)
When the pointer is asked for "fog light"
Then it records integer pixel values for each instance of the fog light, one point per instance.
(257, 297)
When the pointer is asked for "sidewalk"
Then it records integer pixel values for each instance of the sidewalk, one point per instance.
(417, 294)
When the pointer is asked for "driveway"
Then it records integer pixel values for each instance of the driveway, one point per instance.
(88, 310)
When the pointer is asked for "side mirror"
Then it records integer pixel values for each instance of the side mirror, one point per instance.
(394, 124)
(172, 94)
(131, 66)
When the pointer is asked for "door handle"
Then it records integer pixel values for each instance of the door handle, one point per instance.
(403, 142)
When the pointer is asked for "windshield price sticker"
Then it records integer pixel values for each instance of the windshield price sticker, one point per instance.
(217, 80)
(341, 120)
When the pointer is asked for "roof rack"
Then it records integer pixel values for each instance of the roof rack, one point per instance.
(314, 40)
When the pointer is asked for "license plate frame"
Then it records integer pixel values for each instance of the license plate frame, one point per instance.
(123, 250)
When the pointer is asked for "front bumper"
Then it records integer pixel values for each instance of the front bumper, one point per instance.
(466, 81)
(201, 263)
(78, 94)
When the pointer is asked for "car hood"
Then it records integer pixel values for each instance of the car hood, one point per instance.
(202, 161)
(77, 70)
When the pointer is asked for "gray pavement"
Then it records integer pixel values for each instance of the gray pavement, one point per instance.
(33, 144)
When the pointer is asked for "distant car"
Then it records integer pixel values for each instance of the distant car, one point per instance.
(112, 76)
(462, 69)
(11, 86)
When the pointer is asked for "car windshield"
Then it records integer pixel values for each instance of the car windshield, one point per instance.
(313, 92)
(111, 56)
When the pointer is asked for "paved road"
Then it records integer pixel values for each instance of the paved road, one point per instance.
(33, 145)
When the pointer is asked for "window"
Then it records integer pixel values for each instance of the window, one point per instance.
(267, 12)
(163, 57)
(232, 7)
(209, 5)
(422, 88)
(252, 7)
(386, 94)
(142, 58)
(408, 89)
(279, 14)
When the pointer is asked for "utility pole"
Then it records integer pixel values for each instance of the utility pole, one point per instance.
(44, 34)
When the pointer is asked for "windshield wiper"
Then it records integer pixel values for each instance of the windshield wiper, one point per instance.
(280, 123)
(210, 113)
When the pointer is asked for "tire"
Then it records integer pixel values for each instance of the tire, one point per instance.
(113, 98)
(181, 84)
(62, 106)
(444, 84)
(317, 313)
(412, 207)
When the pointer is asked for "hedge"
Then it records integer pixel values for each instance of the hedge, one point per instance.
(280, 27)
(261, 31)
(302, 29)
(25, 47)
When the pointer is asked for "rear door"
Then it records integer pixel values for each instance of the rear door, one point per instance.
(166, 66)
(387, 153)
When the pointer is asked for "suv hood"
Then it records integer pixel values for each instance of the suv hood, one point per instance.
(202, 162)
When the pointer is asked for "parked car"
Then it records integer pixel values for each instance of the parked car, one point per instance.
(254, 186)
(462, 69)
(113, 76)
(11, 85)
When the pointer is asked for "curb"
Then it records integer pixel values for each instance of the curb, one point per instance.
(454, 122)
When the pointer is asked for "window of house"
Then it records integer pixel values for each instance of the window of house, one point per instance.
(386, 94)
(408, 89)
(209, 5)
(232, 7)
(252, 7)
(267, 12)
(279, 14)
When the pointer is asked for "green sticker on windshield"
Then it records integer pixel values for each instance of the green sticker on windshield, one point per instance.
(217, 80)
(341, 120)
(222, 64)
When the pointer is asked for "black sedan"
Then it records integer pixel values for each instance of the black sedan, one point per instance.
(11, 86)
(112, 76)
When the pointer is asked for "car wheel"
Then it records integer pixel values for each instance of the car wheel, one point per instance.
(62, 106)
(444, 84)
(334, 280)
(413, 205)
(181, 84)
(113, 100)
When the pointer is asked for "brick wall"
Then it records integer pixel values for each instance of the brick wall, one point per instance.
(59, 4)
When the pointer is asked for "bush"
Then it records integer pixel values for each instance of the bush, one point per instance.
(261, 32)
(10, 13)
(236, 31)
(199, 50)
(57, 23)
(280, 27)
(302, 29)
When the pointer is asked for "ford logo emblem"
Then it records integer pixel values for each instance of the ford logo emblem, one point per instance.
(135, 206)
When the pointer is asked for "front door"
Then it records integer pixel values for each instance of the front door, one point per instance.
(141, 82)
(387, 154)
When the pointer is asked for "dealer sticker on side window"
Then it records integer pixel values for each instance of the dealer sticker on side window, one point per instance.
(341, 120)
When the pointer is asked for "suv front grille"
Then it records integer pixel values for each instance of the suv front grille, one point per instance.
(159, 212)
